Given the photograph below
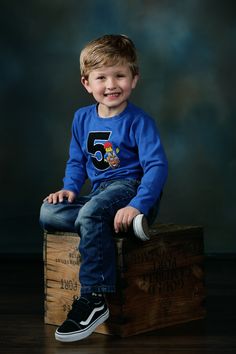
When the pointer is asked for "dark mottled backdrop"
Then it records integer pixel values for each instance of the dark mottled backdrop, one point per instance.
(187, 58)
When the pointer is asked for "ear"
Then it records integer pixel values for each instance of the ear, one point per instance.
(85, 83)
(135, 80)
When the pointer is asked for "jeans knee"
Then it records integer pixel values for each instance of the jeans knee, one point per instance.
(46, 216)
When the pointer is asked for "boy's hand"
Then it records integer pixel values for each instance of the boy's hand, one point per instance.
(124, 218)
(56, 197)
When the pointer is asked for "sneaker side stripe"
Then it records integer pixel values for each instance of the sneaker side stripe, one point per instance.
(85, 323)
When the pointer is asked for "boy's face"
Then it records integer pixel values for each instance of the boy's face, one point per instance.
(111, 87)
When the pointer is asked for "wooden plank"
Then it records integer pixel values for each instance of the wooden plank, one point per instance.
(62, 263)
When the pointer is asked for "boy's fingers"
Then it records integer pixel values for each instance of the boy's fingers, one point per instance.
(117, 222)
(55, 198)
(59, 197)
(70, 197)
(121, 222)
(50, 198)
(124, 218)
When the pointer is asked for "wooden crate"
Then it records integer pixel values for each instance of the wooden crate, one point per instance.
(159, 282)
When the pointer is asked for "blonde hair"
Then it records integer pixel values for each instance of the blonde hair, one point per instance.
(108, 50)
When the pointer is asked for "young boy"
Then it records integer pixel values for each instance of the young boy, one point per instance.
(117, 146)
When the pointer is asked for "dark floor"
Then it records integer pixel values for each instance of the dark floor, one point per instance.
(23, 330)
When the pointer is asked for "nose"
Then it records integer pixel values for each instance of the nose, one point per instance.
(111, 83)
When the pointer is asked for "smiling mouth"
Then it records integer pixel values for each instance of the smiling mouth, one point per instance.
(113, 94)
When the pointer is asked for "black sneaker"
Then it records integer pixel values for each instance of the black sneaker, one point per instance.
(140, 227)
(86, 314)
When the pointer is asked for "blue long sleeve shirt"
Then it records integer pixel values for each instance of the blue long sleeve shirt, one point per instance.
(126, 146)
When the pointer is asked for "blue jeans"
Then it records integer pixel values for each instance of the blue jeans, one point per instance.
(92, 218)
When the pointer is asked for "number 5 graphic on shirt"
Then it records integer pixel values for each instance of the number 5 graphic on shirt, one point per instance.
(96, 148)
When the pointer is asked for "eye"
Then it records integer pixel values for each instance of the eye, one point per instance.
(101, 77)
(120, 75)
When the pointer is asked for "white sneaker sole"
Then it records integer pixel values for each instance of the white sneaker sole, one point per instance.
(140, 227)
(81, 334)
